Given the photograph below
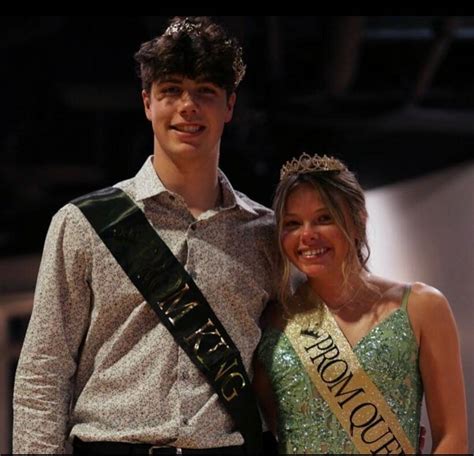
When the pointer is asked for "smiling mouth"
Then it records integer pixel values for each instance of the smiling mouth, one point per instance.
(313, 253)
(188, 128)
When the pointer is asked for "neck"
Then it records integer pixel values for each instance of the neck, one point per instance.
(196, 181)
(338, 293)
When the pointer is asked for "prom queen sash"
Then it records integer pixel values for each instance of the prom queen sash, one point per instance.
(340, 379)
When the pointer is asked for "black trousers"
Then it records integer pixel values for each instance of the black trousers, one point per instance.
(121, 448)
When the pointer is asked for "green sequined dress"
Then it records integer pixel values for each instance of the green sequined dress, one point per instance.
(306, 425)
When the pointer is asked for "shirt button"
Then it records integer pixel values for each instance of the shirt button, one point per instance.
(171, 197)
(184, 375)
(185, 421)
(193, 227)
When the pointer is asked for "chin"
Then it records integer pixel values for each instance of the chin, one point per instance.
(313, 271)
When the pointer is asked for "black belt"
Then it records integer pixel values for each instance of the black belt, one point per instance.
(117, 448)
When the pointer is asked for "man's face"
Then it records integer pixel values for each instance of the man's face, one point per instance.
(187, 116)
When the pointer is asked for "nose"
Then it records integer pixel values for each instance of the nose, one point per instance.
(309, 234)
(188, 103)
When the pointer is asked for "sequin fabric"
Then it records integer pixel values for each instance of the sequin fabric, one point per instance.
(306, 425)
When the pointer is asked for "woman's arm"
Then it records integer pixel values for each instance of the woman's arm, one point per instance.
(271, 317)
(264, 392)
(441, 369)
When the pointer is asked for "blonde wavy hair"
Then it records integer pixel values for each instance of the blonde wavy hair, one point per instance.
(338, 190)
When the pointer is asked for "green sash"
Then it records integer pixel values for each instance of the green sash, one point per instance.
(340, 379)
(178, 302)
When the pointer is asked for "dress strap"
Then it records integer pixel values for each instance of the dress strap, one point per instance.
(406, 294)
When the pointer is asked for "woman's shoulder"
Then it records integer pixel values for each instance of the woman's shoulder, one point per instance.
(427, 298)
(426, 305)
(420, 294)
(429, 310)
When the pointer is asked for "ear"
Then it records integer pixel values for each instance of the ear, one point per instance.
(230, 107)
(146, 97)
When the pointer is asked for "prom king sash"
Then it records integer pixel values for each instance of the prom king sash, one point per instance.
(178, 302)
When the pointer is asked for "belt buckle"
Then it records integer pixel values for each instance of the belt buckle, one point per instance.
(157, 447)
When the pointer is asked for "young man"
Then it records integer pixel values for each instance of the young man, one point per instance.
(98, 365)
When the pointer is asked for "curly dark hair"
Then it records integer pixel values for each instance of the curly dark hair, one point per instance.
(194, 47)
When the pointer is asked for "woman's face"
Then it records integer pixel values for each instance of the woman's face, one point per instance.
(310, 237)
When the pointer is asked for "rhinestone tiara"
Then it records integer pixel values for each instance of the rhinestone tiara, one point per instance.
(307, 164)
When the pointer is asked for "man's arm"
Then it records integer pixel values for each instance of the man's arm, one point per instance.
(43, 382)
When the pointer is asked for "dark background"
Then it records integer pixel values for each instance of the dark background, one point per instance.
(393, 96)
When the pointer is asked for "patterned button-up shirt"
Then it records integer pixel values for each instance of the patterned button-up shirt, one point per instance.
(96, 361)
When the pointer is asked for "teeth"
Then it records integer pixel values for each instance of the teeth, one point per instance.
(188, 128)
(312, 253)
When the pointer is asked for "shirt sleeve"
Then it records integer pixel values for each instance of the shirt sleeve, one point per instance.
(59, 321)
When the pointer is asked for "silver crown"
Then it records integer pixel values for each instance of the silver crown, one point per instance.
(307, 164)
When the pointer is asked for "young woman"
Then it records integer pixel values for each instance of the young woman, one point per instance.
(345, 359)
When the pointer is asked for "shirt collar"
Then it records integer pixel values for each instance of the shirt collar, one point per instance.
(148, 184)
(232, 198)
